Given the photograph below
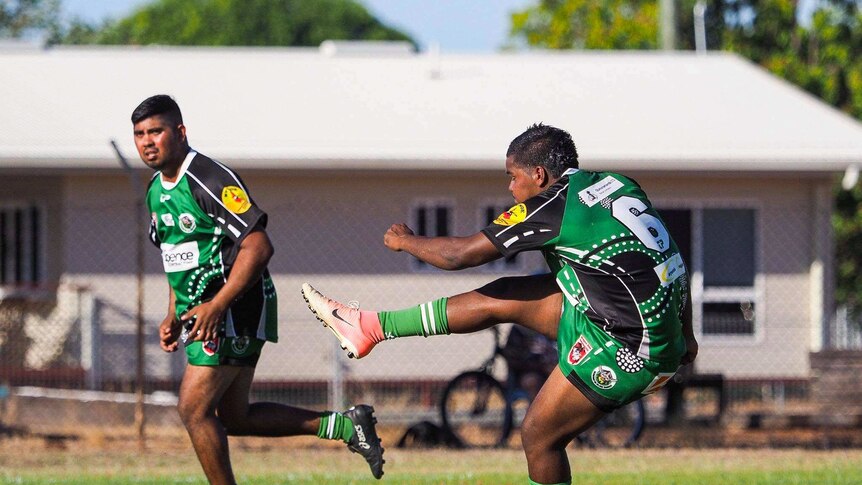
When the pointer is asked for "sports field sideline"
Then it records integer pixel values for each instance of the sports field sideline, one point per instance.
(98, 460)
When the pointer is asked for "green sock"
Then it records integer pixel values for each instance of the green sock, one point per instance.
(335, 426)
(569, 482)
(425, 319)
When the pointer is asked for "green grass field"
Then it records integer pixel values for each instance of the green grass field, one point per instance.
(120, 463)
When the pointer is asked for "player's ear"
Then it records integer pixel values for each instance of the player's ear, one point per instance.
(541, 176)
(181, 129)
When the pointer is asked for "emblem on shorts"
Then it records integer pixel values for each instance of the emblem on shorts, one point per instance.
(628, 361)
(187, 222)
(240, 345)
(604, 377)
(210, 347)
(580, 350)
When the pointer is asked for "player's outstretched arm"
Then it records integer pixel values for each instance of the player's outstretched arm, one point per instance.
(449, 253)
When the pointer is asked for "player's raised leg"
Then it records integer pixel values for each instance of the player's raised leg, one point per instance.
(532, 301)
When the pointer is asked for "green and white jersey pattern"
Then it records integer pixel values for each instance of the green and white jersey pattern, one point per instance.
(198, 222)
(613, 257)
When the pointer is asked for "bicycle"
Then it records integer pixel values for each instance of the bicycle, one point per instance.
(480, 411)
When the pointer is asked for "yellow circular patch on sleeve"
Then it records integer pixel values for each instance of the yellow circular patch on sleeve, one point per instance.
(512, 216)
(235, 199)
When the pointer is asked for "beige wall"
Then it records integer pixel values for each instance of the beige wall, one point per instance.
(328, 229)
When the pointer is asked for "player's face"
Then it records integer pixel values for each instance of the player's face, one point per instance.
(160, 144)
(524, 182)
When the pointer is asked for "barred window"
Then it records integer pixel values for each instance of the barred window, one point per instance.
(719, 245)
(431, 218)
(22, 256)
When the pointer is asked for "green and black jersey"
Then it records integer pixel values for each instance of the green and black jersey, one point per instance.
(613, 257)
(198, 222)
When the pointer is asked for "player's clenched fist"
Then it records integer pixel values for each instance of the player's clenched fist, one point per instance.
(394, 236)
(169, 332)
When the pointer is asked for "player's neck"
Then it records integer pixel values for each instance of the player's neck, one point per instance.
(171, 171)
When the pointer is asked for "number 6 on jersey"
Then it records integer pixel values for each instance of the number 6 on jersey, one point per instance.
(648, 228)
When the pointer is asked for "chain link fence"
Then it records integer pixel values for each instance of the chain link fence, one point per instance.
(68, 354)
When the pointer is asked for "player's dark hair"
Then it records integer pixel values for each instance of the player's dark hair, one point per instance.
(160, 104)
(546, 146)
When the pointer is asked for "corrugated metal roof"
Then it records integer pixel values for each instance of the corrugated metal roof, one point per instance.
(298, 108)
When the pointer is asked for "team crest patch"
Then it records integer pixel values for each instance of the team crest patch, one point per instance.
(604, 377)
(210, 347)
(628, 362)
(187, 222)
(235, 199)
(512, 216)
(580, 350)
(240, 345)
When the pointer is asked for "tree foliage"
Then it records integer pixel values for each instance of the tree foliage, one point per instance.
(585, 24)
(18, 17)
(612, 24)
(237, 22)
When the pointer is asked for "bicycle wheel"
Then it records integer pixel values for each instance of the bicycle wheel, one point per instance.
(475, 410)
(619, 429)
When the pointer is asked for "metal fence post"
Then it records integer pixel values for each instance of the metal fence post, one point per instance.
(91, 334)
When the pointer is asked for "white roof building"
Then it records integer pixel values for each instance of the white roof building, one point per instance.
(362, 140)
(300, 108)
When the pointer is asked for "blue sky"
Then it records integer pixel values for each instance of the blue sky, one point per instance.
(455, 25)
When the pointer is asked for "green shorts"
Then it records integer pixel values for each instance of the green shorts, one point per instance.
(605, 371)
(240, 351)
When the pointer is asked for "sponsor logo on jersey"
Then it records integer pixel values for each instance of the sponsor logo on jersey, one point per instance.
(187, 222)
(670, 270)
(180, 257)
(235, 199)
(512, 216)
(604, 377)
(210, 347)
(168, 219)
(579, 350)
(600, 190)
(164, 198)
(240, 345)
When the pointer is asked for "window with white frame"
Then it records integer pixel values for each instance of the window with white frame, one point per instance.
(22, 256)
(719, 246)
(431, 218)
(488, 211)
